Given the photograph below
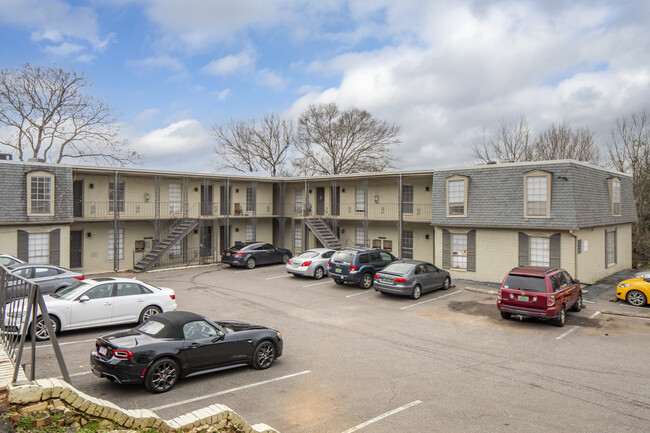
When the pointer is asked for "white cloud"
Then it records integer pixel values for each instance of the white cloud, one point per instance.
(64, 49)
(177, 139)
(164, 62)
(222, 95)
(231, 64)
(270, 79)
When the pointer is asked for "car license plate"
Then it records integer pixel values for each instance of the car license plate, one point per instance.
(386, 280)
(522, 298)
(338, 270)
(102, 350)
(227, 254)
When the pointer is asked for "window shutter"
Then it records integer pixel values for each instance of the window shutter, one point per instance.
(523, 249)
(606, 249)
(446, 249)
(23, 245)
(615, 245)
(55, 247)
(555, 247)
(471, 251)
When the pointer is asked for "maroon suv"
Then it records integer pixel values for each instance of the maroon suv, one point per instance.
(536, 291)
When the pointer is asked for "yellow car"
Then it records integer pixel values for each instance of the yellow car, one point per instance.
(634, 291)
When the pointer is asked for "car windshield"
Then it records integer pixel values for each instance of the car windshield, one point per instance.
(342, 257)
(151, 327)
(308, 255)
(72, 291)
(398, 268)
(242, 246)
(526, 283)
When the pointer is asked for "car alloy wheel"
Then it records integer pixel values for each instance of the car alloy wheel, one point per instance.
(41, 330)
(148, 312)
(636, 298)
(318, 273)
(250, 263)
(561, 317)
(285, 258)
(446, 284)
(366, 281)
(578, 305)
(264, 355)
(417, 291)
(162, 375)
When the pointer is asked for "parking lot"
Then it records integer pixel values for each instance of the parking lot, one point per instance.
(357, 360)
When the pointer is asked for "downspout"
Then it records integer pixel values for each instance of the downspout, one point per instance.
(116, 224)
(575, 252)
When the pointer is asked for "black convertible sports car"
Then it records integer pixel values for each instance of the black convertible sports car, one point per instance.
(181, 344)
(250, 254)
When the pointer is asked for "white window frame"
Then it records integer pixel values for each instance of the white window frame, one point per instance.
(360, 237)
(297, 236)
(120, 251)
(537, 194)
(407, 247)
(457, 196)
(250, 231)
(250, 199)
(615, 195)
(539, 253)
(407, 199)
(40, 195)
(360, 199)
(175, 197)
(297, 207)
(459, 251)
(38, 247)
(175, 250)
(610, 247)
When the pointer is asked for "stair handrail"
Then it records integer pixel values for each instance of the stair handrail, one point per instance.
(169, 226)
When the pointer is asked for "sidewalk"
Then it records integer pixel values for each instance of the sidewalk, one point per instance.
(7, 370)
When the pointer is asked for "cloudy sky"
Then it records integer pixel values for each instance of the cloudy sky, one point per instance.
(441, 70)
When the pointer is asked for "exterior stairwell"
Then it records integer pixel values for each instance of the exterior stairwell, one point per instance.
(323, 233)
(177, 232)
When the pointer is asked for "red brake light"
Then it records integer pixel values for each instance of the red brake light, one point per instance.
(123, 354)
(377, 276)
(400, 280)
(173, 297)
(238, 254)
(353, 268)
(550, 301)
(80, 277)
(500, 295)
(329, 263)
(307, 263)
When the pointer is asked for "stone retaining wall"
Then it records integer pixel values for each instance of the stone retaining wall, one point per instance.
(216, 415)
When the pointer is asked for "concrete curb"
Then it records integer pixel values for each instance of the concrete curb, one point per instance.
(217, 415)
(625, 313)
(479, 290)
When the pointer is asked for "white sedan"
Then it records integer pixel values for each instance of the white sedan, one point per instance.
(312, 263)
(95, 302)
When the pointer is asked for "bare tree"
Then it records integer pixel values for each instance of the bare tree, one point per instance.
(331, 141)
(510, 142)
(560, 141)
(254, 145)
(629, 152)
(47, 114)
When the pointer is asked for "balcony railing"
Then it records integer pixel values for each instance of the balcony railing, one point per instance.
(376, 211)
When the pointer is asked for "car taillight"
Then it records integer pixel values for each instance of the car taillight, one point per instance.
(400, 280)
(329, 263)
(173, 297)
(353, 268)
(500, 295)
(122, 354)
(99, 342)
(238, 254)
(307, 263)
(550, 301)
(377, 276)
(80, 277)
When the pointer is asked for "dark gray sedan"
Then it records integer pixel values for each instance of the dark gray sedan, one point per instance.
(251, 254)
(411, 278)
(49, 278)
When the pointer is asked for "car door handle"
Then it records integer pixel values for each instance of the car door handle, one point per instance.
(140, 300)
(194, 345)
(108, 303)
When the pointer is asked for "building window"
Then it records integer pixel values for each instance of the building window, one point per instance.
(407, 244)
(610, 247)
(250, 199)
(540, 252)
(297, 237)
(175, 250)
(39, 248)
(616, 197)
(41, 193)
(360, 199)
(111, 244)
(250, 232)
(175, 197)
(459, 251)
(457, 196)
(407, 199)
(297, 207)
(361, 237)
(120, 197)
(537, 194)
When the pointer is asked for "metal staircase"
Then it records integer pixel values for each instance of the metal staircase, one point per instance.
(176, 232)
(323, 233)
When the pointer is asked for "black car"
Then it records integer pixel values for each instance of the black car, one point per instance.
(358, 265)
(179, 344)
(251, 254)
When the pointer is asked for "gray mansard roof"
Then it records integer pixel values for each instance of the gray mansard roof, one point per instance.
(579, 196)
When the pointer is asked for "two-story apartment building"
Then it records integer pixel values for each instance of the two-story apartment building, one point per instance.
(477, 221)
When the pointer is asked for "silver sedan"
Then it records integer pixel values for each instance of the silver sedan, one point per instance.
(311, 263)
(411, 278)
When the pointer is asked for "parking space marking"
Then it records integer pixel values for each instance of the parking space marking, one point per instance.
(566, 333)
(39, 346)
(358, 293)
(279, 276)
(227, 391)
(594, 315)
(318, 284)
(382, 416)
(429, 300)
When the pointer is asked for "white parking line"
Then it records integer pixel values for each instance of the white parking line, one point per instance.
(279, 276)
(318, 284)
(566, 333)
(227, 391)
(359, 293)
(429, 300)
(46, 345)
(382, 416)
(594, 315)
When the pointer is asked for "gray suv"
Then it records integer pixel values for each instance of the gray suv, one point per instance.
(358, 265)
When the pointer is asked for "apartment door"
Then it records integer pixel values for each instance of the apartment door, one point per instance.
(320, 200)
(206, 241)
(335, 199)
(76, 238)
(223, 202)
(223, 239)
(77, 198)
(206, 200)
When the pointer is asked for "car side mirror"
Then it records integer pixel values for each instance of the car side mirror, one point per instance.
(84, 298)
(576, 281)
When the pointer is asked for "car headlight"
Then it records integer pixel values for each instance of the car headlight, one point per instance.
(624, 285)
